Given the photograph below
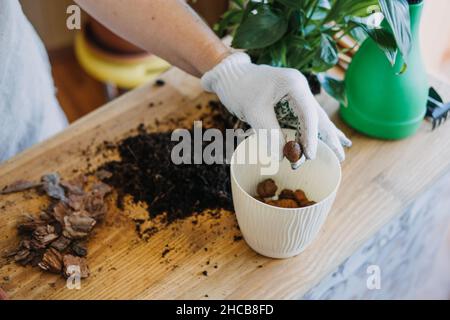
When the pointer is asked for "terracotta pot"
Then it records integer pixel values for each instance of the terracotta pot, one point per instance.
(109, 40)
(210, 10)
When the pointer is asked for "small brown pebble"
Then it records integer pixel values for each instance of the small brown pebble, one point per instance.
(308, 204)
(287, 194)
(283, 203)
(300, 197)
(286, 203)
(267, 188)
(292, 151)
(259, 199)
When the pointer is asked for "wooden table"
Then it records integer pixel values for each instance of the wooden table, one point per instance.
(380, 180)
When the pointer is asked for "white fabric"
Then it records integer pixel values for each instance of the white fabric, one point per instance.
(251, 92)
(29, 111)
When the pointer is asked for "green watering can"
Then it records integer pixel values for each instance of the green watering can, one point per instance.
(381, 102)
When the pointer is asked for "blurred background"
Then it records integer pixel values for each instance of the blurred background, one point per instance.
(82, 89)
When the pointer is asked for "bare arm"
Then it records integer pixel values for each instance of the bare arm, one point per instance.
(168, 28)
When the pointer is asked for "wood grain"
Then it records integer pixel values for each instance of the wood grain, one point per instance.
(380, 179)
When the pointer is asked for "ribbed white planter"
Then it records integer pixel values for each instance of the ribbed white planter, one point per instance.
(277, 232)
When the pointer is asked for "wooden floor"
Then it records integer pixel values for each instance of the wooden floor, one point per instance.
(77, 92)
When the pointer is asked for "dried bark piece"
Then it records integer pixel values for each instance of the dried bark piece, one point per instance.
(25, 244)
(51, 186)
(103, 174)
(78, 225)
(45, 235)
(73, 188)
(36, 245)
(76, 202)
(95, 205)
(19, 186)
(267, 188)
(61, 244)
(30, 225)
(78, 263)
(45, 217)
(22, 255)
(79, 249)
(101, 189)
(51, 261)
(60, 210)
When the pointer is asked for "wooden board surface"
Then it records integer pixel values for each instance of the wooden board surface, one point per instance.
(380, 179)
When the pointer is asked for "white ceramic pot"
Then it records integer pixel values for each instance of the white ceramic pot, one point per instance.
(278, 232)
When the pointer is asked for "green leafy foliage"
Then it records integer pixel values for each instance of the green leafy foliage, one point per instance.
(262, 27)
(334, 87)
(303, 34)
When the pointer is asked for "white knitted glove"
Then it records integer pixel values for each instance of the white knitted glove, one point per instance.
(251, 92)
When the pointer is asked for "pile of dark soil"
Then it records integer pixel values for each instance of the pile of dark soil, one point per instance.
(171, 192)
(146, 172)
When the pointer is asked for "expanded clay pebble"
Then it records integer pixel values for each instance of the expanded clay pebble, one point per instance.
(286, 199)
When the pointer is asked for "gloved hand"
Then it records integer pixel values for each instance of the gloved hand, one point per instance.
(251, 92)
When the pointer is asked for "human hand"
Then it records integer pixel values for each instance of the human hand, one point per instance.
(265, 96)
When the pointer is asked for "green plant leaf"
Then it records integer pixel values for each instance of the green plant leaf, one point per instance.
(279, 55)
(293, 4)
(298, 51)
(319, 14)
(328, 54)
(296, 21)
(238, 3)
(324, 4)
(261, 28)
(396, 13)
(334, 87)
(321, 10)
(344, 8)
(230, 18)
(382, 37)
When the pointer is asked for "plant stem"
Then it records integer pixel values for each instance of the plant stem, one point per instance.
(313, 10)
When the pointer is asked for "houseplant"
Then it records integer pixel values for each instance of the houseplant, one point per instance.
(303, 34)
